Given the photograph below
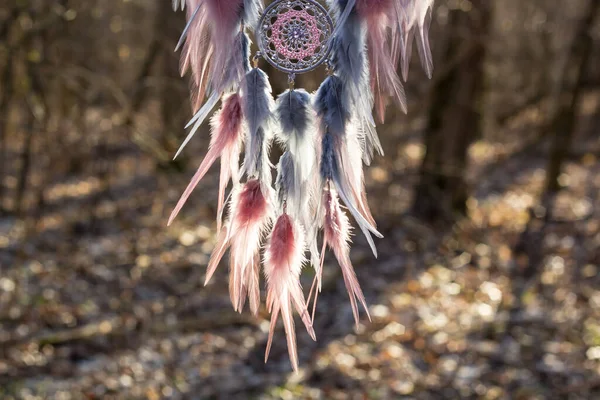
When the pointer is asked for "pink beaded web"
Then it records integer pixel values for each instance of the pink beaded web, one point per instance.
(296, 35)
(293, 35)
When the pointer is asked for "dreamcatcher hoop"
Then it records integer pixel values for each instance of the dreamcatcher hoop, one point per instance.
(293, 35)
(326, 136)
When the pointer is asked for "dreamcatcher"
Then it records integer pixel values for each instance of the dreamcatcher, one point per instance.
(325, 136)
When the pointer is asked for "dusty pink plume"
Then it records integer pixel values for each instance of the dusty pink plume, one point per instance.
(410, 19)
(384, 79)
(403, 18)
(337, 236)
(284, 256)
(250, 214)
(197, 51)
(209, 36)
(226, 136)
(225, 19)
(352, 170)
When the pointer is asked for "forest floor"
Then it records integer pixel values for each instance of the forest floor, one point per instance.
(100, 300)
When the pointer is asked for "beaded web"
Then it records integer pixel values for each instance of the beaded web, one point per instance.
(294, 35)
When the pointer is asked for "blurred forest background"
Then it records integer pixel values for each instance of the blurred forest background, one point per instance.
(487, 285)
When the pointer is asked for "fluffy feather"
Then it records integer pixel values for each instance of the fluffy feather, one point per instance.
(342, 10)
(384, 79)
(337, 236)
(295, 115)
(212, 24)
(284, 256)
(225, 143)
(335, 162)
(351, 64)
(225, 20)
(252, 11)
(258, 107)
(296, 183)
(406, 19)
(197, 48)
(296, 198)
(251, 212)
(232, 76)
(350, 157)
(258, 102)
(288, 184)
(215, 51)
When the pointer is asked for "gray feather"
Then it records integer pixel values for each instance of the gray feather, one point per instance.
(292, 109)
(252, 11)
(257, 99)
(349, 50)
(254, 156)
(285, 184)
(330, 170)
(351, 64)
(258, 106)
(343, 8)
(332, 106)
(363, 224)
(329, 166)
(245, 43)
(294, 113)
(229, 79)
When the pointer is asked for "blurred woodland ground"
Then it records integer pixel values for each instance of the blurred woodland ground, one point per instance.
(487, 285)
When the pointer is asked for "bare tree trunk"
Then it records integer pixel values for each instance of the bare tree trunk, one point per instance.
(570, 93)
(25, 159)
(5, 100)
(454, 120)
(34, 98)
(6, 94)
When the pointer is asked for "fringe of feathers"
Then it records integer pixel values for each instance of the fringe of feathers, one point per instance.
(326, 138)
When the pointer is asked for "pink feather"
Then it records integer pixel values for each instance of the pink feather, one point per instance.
(403, 18)
(197, 51)
(337, 236)
(225, 142)
(209, 39)
(284, 256)
(373, 8)
(413, 17)
(250, 214)
(225, 18)
(384, 79)
(352, 170)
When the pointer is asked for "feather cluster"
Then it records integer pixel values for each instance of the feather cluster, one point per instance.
(325, 139)
(284, 253)
(258, 108)
(250, 214)
(226, 138)
(340, 176)
(216, 52)
(284, 256)
(388, 28)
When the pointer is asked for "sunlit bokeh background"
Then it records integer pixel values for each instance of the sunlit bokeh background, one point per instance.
(487, 281)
